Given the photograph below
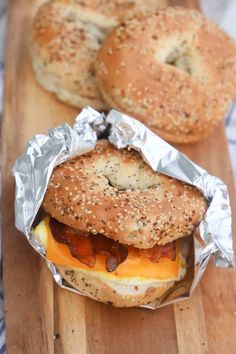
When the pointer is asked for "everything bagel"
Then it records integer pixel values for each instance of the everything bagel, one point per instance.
(66, 36)
(115, 193)
(172, 69)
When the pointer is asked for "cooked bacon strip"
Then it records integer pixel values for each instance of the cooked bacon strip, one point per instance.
(82, 248)
(115, 252)
(85, 246)
(157, 252)
(80, 245)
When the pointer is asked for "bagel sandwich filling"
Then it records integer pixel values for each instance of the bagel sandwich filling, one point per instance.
(115, 228)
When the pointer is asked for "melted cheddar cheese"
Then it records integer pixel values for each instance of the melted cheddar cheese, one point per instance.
(134, 265)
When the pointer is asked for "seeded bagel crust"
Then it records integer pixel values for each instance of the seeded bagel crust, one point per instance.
(66, 36)
(120, 293)
(115, 193)
(172, 69)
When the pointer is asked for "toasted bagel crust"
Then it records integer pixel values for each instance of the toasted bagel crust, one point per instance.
(66, 36)
(119, 294)
(183, 76)
(115, 193)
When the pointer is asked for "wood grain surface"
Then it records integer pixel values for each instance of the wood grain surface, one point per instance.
(41, 317)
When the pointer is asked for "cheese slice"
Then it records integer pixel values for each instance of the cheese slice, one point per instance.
(134, 265)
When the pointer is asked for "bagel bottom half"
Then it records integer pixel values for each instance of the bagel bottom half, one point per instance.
(133, 285)
(120, 292)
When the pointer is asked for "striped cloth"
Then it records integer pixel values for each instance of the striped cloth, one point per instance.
(2, 324)
(230, 120)
(230, 125)
(2, 34)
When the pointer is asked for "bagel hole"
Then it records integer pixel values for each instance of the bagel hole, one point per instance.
(96, 32)
(115, 185)
(179, 59)
(91, 29)
(139, 185)
(108, 181)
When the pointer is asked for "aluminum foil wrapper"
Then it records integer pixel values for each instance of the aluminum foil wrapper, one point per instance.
(33, 169)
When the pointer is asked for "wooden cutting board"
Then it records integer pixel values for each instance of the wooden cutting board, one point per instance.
(41, 317)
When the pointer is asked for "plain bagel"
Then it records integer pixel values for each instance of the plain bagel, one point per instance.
(172, 69)
(66, 36)
(115, 193)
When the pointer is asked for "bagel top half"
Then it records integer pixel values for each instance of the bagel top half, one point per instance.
(115, 193)
(172, 69)
(65, 38)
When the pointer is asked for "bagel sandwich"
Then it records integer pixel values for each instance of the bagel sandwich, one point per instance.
(116, 230)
